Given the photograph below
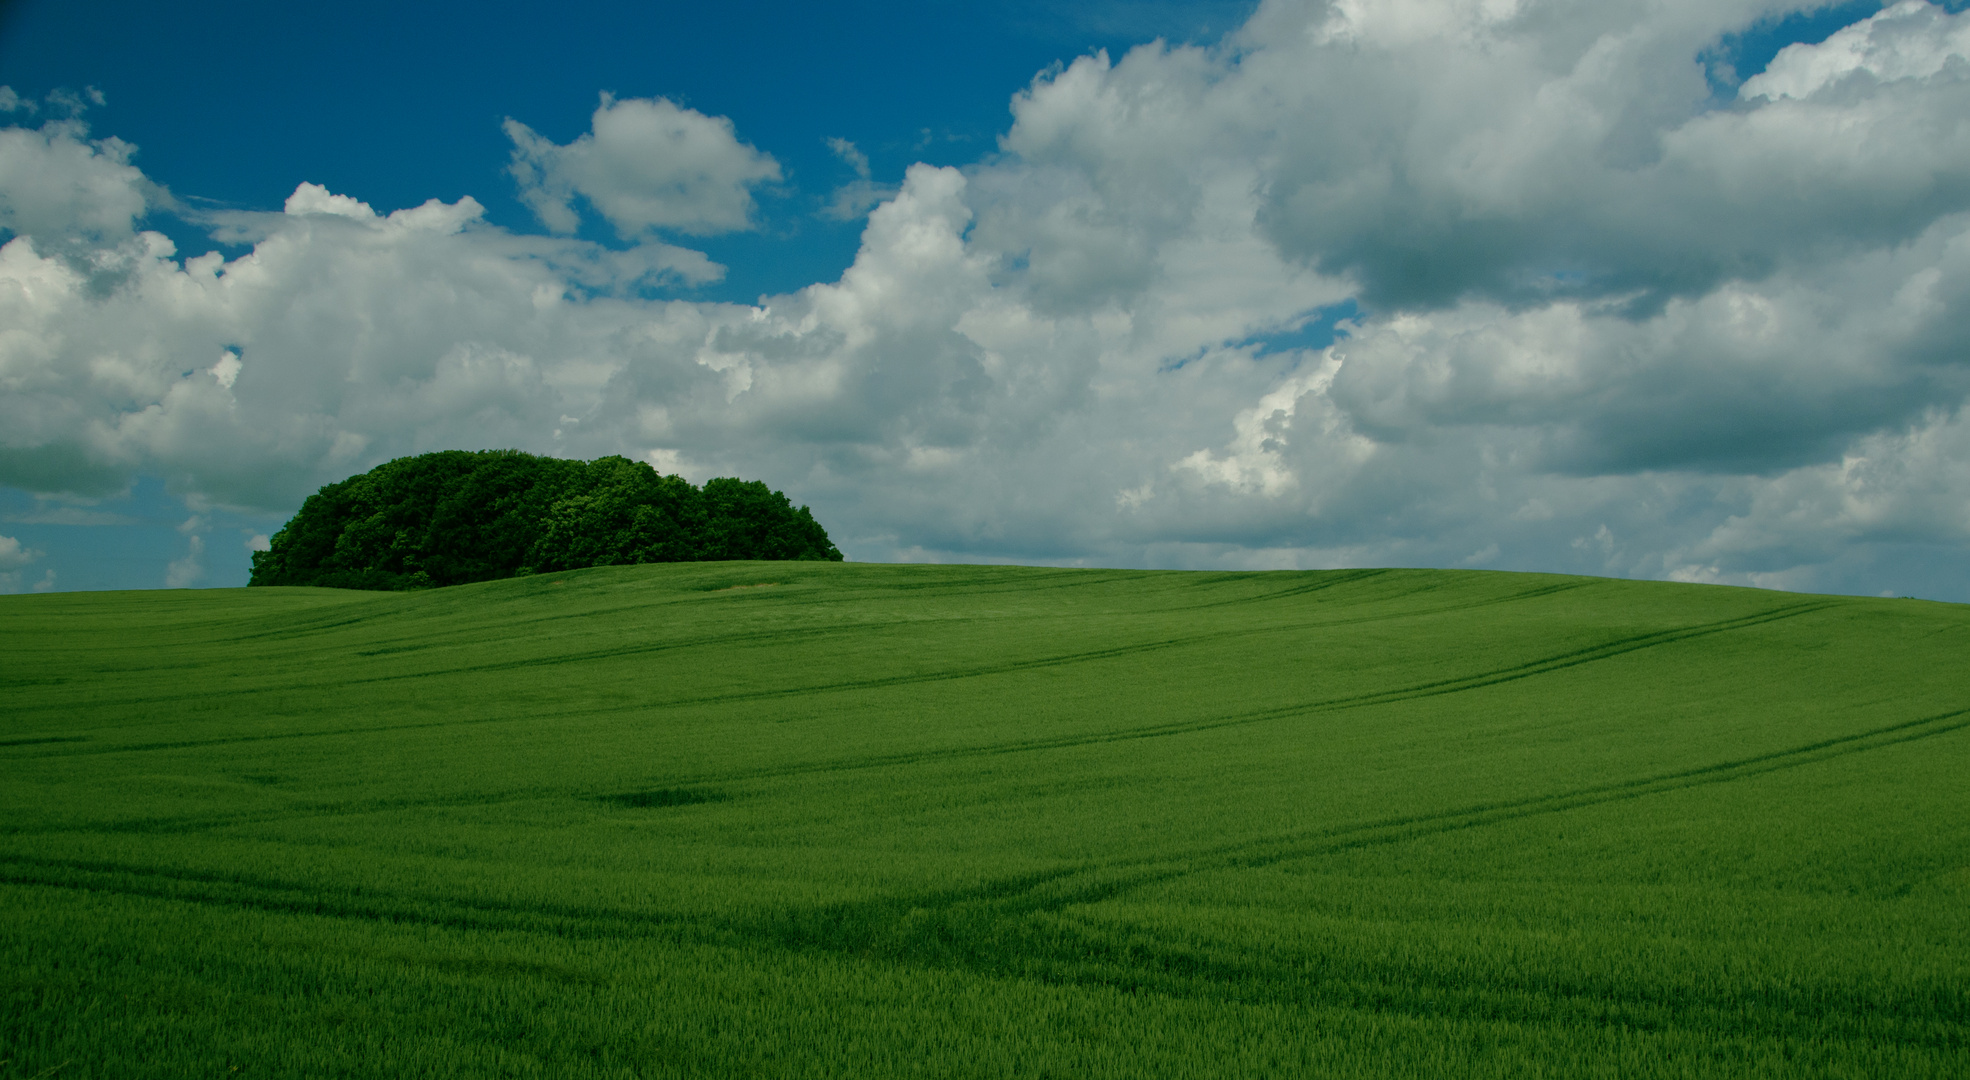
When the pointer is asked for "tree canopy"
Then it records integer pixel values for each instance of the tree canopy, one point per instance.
(459, 516)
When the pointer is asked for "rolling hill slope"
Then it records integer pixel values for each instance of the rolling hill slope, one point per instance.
(773, 819)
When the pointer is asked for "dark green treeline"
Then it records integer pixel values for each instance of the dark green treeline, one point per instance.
(459, 516)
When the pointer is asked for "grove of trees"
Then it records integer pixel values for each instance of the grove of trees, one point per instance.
(458, 516)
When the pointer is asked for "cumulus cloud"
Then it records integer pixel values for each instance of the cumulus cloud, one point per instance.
(13, 556)
(189, 569)
(1520, 152)
(343, 333)
(56, 184)
(185, 572)
(1910, 40)
(645, 164)
(1608, 320)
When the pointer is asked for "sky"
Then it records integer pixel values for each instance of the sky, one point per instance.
(1676, 290)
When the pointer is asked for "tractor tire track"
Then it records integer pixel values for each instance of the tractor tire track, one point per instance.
(772, 636)
(1556, 662)
(941, 926)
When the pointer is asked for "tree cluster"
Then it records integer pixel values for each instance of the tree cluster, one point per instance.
(459, 516)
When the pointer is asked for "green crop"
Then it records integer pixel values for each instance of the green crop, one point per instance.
(836, 820)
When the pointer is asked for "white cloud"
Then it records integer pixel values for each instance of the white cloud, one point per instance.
(56, 183)
(1911, 40)
(848, 153)
(13, 556)
(226, 371)
(343, 333)
(860, 195)
(1255, 461)
(645, 164)
(1437, 154)
(315, 199)
(46, 514)
(1609, 324)
(1910, 485)
(189, 570)
(16, 556)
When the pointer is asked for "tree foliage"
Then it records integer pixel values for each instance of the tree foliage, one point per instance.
(458, 516)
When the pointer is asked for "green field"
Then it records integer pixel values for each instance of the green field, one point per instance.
(826, 820)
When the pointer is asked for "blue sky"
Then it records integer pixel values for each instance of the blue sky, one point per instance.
(1505, 283)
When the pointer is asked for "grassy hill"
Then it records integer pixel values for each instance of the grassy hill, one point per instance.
(806, 820)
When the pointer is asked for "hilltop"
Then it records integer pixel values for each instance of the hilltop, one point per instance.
(823, 819)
